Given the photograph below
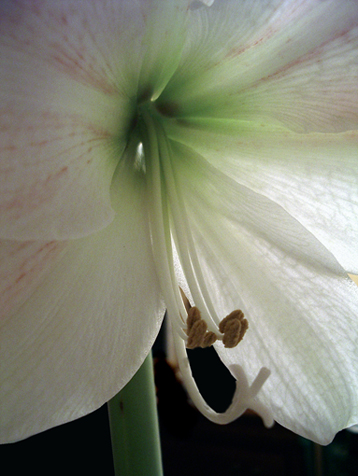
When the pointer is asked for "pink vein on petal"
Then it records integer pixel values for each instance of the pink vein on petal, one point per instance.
(276, 26)
(63, 39)
(69, 144)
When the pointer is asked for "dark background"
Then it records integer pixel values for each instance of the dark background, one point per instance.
(191, 445)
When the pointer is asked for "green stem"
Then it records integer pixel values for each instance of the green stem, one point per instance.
(134, 426)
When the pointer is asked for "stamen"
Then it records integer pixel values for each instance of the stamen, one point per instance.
(209, 339)
(234, 327)
(193, 317)
(196, 334)
(199, 332)
(156, 147)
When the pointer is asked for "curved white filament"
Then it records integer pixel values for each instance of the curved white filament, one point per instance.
(244, 396)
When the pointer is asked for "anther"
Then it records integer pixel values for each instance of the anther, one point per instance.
(197, 334)
(193, 316)
(209, 339)
(197, 330)
(233, 327)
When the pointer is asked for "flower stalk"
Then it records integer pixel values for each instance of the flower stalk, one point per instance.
(134, 426)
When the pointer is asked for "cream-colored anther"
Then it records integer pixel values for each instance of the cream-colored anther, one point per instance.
(193, 317)
(209, 339)
(233, 327)
(197, 330)
(197, 334)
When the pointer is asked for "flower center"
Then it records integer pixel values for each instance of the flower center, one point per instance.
(197, 326)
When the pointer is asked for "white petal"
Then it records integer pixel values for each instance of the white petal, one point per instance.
(302, 315)
(162, 44)
(311, 93)
(23, 266)
(313, 176)
(85, 328)
(66, 76)
(282, 61)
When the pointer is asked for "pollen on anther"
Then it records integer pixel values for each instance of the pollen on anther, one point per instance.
(209, 339)
(193, 316)
(196, 334)
(234, 327)
(197, 330)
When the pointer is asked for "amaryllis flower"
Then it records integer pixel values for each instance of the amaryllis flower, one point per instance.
(152, 146)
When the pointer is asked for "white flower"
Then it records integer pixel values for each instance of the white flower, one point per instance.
(228, 129)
